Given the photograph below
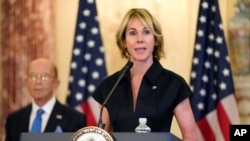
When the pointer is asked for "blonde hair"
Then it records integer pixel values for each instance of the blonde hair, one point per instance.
(148, 20)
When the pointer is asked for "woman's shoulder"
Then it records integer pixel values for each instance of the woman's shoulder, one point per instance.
(112, 77)
(173, 75)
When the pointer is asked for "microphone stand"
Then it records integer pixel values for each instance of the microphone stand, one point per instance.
(128, 66)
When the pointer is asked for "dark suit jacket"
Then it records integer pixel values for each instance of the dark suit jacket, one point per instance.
(69, 120)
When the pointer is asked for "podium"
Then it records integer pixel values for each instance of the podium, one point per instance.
(117, 136)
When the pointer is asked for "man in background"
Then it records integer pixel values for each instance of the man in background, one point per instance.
(45, 113)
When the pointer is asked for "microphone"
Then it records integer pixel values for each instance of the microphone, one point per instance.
(128, 66)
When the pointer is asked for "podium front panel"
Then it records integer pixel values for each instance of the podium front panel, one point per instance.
(118, 136)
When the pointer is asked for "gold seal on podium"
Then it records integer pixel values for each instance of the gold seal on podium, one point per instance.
(91, 133)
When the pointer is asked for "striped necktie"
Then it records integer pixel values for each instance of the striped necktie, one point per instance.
(37, 123)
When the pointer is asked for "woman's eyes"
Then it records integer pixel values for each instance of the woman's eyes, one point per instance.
(132, 33)
(144, 32)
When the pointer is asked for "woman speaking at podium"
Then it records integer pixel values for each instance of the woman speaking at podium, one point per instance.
(146, 89)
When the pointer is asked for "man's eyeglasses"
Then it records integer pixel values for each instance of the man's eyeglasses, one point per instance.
(42, 77)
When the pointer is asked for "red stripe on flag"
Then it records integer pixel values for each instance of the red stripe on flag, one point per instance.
(89, 114)
(223, 121)
(206, 130)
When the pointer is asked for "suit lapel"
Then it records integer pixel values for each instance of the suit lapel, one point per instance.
(54, 119)
(26, 118)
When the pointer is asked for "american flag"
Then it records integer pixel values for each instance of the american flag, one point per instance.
(88, 65)
(213, 103)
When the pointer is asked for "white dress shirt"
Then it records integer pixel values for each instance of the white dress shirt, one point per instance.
(48, 107)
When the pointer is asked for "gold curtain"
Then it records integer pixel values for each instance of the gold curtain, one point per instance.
(27, 31)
